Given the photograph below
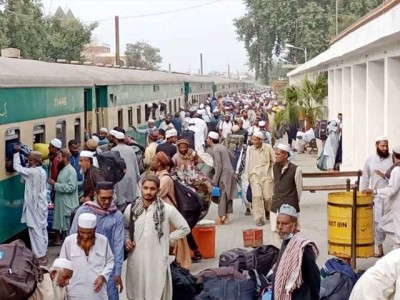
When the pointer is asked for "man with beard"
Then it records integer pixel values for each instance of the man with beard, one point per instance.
(373, 177)
(260, 161)
(199, 122)
(214, 120)
(185, 159)
(288, 186)
(54, 282)
(225, 126)
(246, 122)
(148, 239)
(92, 176)
(390, 222)
(66, 196)
(110, 223)
(92, 260)
(166, 124)
(169, 147)
(224, 177)
(103, 140)
(54, 147)
(34, 212)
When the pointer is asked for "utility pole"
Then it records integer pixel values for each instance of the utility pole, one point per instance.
(169, 67)
(201, 63)
(229, 71)
(117, 59)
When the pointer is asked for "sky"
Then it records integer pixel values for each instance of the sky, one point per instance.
(181, 36)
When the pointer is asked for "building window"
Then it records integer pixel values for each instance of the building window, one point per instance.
(77, 128)
(39, 134)
(12, 137)
(61, 133)
(156, 88)
(130, 117)
(120, 118)
(139, 115)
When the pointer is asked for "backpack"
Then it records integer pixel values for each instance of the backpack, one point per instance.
(321, 130)
(183, 283)
(265, 258)
(228, 289)
(187, 135)
(19, 271)
(139, 151)
(112, 166)
(190, 204)
(336, 286)
(234, 143)
(335, 264)
(239, 259)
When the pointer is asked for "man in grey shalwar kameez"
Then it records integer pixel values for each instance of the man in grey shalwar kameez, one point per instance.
(127, 190)
(34, 211)
(224, 177)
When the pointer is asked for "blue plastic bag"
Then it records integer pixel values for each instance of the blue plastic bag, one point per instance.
(216, 192)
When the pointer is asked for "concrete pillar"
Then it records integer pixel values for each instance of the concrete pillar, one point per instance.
(358, 107)
(347, 111)
(337, 101)
(375, 102)
(391, 119)
(331, 94)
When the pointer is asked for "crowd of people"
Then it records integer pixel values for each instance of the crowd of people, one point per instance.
(228, 142)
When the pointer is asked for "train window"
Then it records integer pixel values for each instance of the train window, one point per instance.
(156, 88)
(170, 107)
(153, 113)
(201, 85)
(175, 108)
(39, 134)
(12, 137)
(120, 118)
(113, 99)
(139, 115)
(190, 89)
(181, 90)
(77, 128)
(223, 87)
(179, 103)
(130, 116)
(61, 132)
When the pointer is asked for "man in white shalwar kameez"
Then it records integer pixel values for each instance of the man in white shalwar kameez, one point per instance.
(34, 211)
(332, 143)
(148, 239)
(381, 281)
(390, 222)
(373, 177)
(92, 260)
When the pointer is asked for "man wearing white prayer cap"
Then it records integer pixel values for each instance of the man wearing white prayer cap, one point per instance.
(92, 260)
(374, 178)
(295, 278)
(103, 133)
(224, 177)
(259, 163)
(169, 147)
(150, 127)
(288, 186)
(54, 282)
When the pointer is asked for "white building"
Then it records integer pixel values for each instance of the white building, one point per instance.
(363, 65)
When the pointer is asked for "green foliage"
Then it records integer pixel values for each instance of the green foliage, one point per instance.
(306, 100)
(66, 38)
(269, 24)
(23, 26)
(142, 55)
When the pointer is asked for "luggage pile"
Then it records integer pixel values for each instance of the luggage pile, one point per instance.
(241, 275)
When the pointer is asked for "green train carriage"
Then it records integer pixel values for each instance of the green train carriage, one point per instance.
(38, 102)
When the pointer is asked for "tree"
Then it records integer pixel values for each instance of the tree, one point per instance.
(142, 55)
(24, 27)
(66, 38)
(269, 24)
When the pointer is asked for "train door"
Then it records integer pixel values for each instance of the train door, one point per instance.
(88, 111)
(101, 104)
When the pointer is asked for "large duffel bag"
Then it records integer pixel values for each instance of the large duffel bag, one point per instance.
(239, 259)
(228, 289)
(222, 272)
(265, 257)
(183, 283)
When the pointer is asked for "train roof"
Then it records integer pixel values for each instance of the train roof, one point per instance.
(195, 78)
(30, 73)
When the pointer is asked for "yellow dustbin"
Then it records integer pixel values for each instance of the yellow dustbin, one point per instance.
(339, 224)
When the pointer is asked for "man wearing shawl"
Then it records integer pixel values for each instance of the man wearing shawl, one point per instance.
(148, 239)
(185, 159)
(296, 274)
(110, 224)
